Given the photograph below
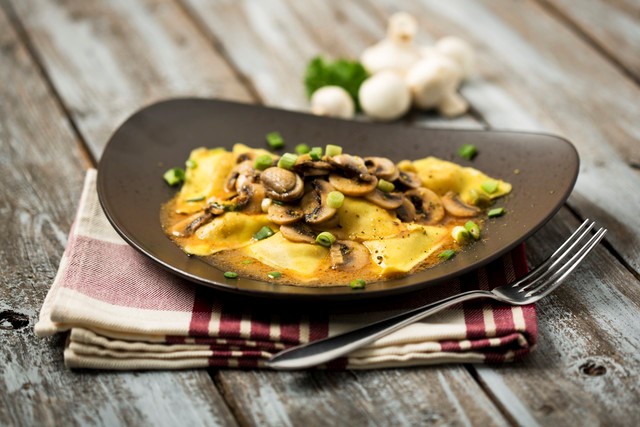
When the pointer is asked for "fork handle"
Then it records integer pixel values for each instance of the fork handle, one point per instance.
(321, 351)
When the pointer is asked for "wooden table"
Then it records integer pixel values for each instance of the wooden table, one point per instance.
(72, 71)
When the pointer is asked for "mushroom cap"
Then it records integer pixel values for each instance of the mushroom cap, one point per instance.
(384, 96)
(389, 55)
(402, 27)
(348, 255)
(282, 184)
(385, 200)
(428, 205)
(314, 202)
(356, 187)
(456, 207)
(298, 232)
(332, 101)
(284, 214)
(431, 80)
(382, 168)
(459, 51)
(409, 179)
(351, 165)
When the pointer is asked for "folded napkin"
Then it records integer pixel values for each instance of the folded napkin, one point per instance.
(125, 312)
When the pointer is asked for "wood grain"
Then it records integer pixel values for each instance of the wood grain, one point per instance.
(107, 59)
(42, 171)
(612, 26)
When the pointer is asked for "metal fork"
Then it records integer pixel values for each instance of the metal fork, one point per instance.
(536, 285)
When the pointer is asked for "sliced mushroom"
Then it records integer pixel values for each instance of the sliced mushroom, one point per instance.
(406, 211)
(409, 179)
(284, 214)
(188, 226)
(241, 174)
(298, 232)
(282, 184)
(457, 207)
(382, 168)
(306, 166)
(351, 165)
(314, 202)
(385, 200)
(428, 205)
(356, 187)
(348, 255)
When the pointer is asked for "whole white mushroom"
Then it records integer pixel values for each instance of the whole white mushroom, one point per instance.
(459, 51)
(433, 83)
(332, 101)
(384, 96)
(397, 52)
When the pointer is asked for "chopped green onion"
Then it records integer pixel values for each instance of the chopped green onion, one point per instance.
(274, 275)
(263, 162)
(316, 153)
(277, 202)
(448, 254)
(357, 284)
(191, 164)
(196, 199)
(468, 151)
(335, 199)
(333, 150)
(275, 140)
(287, 160)
(325, 239)
(231, 275)
(263, 233)
(302, 148)
(459, 234)
(496, 212)
(174, 176)
(247, 261)
(479, 198)
(473, 229)
(386, 186)
(490, 186)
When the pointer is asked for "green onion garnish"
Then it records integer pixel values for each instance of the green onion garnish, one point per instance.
(263, 233)
(325, 239)
(496, 212)
(357, 284)
(231, 275)
(196, 199)
(247, 261)
(174, 176)
(386, 186)
(316, 153)
(468, 151)
(333, 150)
(287, 160)
(490, 186)
(459, 234)
(191, 164)
(302, 148)
(274, 275)
(473, 229)
(335, 199)
(448, 254)
(275, 140)
(263, 162)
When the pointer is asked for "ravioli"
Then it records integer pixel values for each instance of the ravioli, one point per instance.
(280, 253)
(441, 177)
(362, 220)
(229, 231)
(401, 254)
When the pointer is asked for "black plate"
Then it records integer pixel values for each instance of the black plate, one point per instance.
(131, 188)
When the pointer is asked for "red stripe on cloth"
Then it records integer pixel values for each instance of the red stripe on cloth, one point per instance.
(502, 313)
(530, 323)
(260, 326)
(450, 346)
(318, 327)
(290, 328)
(201, 313)
(230, 318)
(473, 310)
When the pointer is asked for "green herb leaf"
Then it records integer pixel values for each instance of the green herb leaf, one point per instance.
(347, 74)
(174, 176)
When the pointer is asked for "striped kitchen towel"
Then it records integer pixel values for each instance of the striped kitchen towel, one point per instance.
(124, 312)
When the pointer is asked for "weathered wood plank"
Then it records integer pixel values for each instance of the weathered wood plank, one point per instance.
(398, 397)
(42, 171)
(613, 26)
(107, 59)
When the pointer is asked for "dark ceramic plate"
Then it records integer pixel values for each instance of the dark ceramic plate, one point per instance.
(131, 187)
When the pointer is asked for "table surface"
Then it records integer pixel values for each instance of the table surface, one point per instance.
(72, 71)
